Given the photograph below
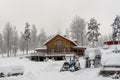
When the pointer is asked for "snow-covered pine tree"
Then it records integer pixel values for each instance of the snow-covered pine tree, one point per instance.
(93, 33)
(22, 43)
(116, 28)
(27, 36)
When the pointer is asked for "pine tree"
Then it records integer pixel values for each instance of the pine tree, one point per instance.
(93, 33)
(22, 43)
(116, 28)
(27, 36)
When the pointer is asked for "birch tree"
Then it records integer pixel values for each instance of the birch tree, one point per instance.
(15, 41)
(42, 38)
(7, 38)
(33, 41)
(78, 29)
(67, 33)
(1, 45)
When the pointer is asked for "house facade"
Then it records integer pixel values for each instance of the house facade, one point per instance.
(59, 44)
(63, 45)
(57, 48)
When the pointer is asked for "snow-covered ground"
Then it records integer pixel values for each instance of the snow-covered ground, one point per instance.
(50, 70)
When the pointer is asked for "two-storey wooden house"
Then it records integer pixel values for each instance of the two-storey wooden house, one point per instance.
(58, 47)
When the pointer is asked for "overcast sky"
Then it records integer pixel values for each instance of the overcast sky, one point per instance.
(55, 15)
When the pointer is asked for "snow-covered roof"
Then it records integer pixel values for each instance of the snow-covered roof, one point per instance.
(71, 40)
(41, 48)
(111, 59)
(67, 55)
(79, 47)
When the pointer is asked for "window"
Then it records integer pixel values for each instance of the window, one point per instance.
(59, 42)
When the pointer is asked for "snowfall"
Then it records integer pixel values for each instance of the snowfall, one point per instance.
(50, 70)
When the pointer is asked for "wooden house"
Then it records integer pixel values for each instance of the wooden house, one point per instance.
(63, 45)
(58, 47)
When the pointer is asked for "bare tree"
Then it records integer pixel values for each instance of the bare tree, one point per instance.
(15, 41)
(78, 29)
(22, 43)
(42, 38)
(7, 38)
(103, 39)
(67, 33)
(33, 41)
(1, 44)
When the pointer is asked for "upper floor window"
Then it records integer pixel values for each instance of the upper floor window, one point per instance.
(59, 42)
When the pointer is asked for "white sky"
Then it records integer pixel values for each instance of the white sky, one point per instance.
(53, 15)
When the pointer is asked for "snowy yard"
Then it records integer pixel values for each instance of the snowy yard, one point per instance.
(50, 71)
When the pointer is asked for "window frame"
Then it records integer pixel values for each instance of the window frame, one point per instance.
(59, 42)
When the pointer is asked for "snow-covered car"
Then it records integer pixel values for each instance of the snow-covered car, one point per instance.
(109, 70)
(111, 67)
(6, 71)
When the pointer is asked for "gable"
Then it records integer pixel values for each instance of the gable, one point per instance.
(60, 38)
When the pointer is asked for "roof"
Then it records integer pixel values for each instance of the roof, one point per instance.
(62, 37)
(112, 42)
(42, 48)
(113, 61)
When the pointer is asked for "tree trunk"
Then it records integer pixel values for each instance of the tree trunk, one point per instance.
(27, 47)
